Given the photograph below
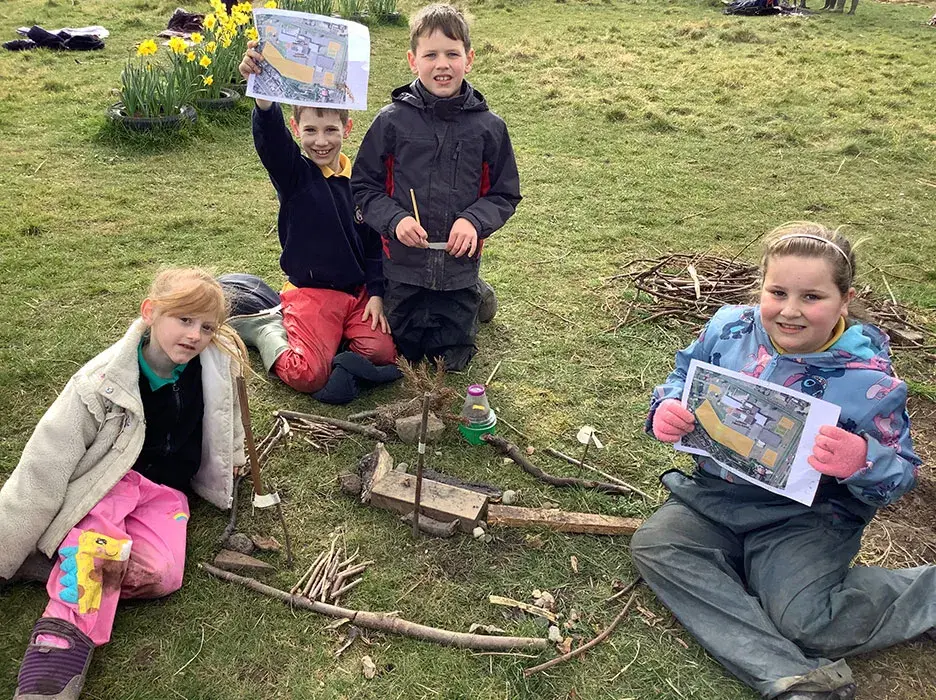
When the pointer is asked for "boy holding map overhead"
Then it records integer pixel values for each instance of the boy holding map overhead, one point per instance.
(331, 258)
(435, 176)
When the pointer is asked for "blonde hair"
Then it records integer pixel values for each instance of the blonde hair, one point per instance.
(440, 17)
(807, 239)
(192, 291)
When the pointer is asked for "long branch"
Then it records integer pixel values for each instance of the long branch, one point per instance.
(572, 460)
(383, 621)
(587, 645)
(518, 456)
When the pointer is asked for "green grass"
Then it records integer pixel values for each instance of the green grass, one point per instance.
(626, 118)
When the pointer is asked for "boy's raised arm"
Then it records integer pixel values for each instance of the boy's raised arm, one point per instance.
(492, 209)
(368, 182)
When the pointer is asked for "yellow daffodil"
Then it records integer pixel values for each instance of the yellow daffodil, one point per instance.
(245, 7)
(211, 46)
(197, 38)
(147, 48)
(252, 34)
(177, 44)
(271, 5)
(204, 62)
(240, 19)
(226, 41)
(210, 22)
(207, 80)
(190, 56)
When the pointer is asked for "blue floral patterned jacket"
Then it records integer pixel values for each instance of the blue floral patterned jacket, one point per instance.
(855, 374)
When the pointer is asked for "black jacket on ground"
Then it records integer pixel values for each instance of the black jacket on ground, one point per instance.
(326, 244)
(456, 156)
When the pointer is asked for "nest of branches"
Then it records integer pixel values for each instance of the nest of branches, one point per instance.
(689, 289)
(418, 380)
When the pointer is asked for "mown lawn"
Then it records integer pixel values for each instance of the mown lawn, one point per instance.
(640, 127)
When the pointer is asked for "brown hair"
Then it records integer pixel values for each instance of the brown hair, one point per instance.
(442, 17)
(191, 291)
(807, 239)
(298, 110)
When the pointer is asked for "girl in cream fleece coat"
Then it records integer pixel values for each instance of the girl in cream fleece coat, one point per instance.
(102, 483)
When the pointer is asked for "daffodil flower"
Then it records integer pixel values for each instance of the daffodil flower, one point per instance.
(204, 62)
(271, 5)
(177, 44)
(210, 22)
(190, 56)
(147, 48)
(207, 80)
(197, 38)
(211, 46)
(252, 34)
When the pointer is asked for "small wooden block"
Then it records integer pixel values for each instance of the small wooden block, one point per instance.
(235, 561)
(397, 492)
(562, 521)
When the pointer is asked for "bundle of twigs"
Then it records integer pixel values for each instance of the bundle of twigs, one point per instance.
(331, 575)
(418, 380)
(690, 288)
(686, 288)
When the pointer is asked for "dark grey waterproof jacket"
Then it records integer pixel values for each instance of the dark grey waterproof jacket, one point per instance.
(456, 156)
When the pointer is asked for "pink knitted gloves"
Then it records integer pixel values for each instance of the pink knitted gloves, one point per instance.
(671, 421)
(837, 452)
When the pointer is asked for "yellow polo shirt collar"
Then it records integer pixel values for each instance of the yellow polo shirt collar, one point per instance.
(344, 168)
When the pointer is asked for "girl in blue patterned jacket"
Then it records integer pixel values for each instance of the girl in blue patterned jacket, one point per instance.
(762, 582)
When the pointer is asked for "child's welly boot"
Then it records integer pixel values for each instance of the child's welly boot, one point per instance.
(52, 672)
(264, 331)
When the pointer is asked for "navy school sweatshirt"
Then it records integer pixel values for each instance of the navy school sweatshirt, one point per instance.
(325, 242)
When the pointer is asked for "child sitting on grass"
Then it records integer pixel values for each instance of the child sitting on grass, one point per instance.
(763, 582)
(103, 482)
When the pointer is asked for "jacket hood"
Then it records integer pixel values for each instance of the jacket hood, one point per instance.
(415, 95)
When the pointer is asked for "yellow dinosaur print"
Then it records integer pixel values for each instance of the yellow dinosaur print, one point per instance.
(81, 580)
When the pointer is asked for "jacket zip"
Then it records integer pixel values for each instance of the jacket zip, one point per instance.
(455, 157)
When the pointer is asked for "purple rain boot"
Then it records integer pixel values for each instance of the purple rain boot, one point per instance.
(52, 673)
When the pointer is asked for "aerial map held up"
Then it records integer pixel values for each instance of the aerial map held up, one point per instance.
(760, 431)
(311, 60)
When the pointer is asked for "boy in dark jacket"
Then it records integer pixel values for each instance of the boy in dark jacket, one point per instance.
(435, 176)
(331, 258)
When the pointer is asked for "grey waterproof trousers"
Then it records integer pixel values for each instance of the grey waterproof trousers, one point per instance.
(764, 583)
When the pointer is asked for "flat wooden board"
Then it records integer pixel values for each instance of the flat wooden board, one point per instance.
(396, 491)
(562, 521)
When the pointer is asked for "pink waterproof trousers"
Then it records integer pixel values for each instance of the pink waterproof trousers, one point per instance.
(131, 545)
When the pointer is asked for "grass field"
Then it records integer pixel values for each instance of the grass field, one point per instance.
(640, 127)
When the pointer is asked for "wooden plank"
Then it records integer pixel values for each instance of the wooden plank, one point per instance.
(396, 491)
(562, 521)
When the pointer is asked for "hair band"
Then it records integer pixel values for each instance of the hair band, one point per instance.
(821, 239)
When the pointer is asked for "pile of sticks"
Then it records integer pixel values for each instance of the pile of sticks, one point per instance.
(689, 289)
(686, 288)
(331, 575)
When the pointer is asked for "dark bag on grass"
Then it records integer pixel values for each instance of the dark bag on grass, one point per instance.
(753, 7)
(248, 293)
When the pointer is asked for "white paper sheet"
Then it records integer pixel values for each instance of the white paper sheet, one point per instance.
(311, 60)
(761, 432)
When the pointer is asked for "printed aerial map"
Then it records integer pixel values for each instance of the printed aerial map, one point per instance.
(311, 60)
(753, 429)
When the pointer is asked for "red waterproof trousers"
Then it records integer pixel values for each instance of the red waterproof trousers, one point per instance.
(316, 322)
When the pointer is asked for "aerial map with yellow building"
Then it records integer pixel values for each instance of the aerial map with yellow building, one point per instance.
(311, 60)
(753, 429)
